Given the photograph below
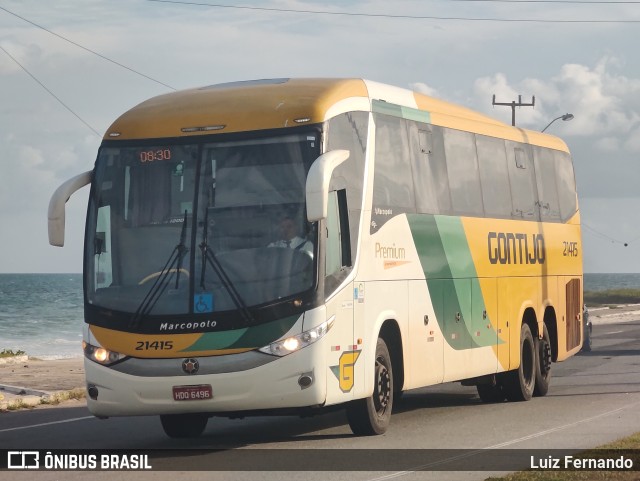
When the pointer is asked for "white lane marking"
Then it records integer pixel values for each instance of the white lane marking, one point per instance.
(559, 428)
(501, 445)
(614, 332)
(46, 424)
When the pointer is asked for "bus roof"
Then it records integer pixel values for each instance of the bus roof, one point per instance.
(277, 103)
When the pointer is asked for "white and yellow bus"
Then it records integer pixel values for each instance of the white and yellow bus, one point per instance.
(427, 243)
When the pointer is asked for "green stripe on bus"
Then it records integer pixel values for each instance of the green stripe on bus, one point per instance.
(381, 107)
(245, 338)
(452, 280)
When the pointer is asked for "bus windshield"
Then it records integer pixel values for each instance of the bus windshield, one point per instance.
(200, 228)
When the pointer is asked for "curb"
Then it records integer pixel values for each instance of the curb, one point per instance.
(13, 398)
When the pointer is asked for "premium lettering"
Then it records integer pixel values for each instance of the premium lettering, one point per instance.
(516, 248)
(390, 252)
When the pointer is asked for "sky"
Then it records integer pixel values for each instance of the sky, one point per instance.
(445, 48)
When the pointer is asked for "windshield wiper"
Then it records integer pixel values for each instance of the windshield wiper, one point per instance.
(208, 256)
(172, 266)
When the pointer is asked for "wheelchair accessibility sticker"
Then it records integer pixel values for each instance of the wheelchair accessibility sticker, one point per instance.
(203, 303)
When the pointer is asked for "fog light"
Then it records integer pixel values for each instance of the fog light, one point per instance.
(92, 391)
(305, 381)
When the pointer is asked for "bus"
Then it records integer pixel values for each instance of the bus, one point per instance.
(432, 244)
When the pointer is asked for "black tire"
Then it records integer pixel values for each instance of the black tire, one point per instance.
(492, 392)
(519, 384)
(183, 425)
(586, 344)
(372, 415)
(543, 363)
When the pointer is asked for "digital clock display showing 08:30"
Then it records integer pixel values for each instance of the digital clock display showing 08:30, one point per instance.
(153, 155)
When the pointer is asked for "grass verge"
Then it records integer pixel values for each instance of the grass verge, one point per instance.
(614, 296)
(608, 450)
(57, 398)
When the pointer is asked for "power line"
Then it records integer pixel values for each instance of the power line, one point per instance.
(382, 15)
(49, 91)
(605, 236)
(87, 49)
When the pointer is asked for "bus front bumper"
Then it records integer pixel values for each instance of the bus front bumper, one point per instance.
(292, 381)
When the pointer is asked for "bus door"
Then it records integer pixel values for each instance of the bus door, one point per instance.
(345, 350)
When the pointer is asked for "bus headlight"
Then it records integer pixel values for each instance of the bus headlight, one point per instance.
(295, 343)
(100, 354)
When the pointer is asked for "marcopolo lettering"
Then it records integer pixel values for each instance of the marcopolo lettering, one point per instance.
(516, 248)
(188, 326)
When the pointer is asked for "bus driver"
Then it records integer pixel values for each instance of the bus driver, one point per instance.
(289, 238)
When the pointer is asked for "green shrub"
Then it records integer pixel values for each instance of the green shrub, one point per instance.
(11, 353)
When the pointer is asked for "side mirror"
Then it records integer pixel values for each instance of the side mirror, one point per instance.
(57, 204)
(317, 188)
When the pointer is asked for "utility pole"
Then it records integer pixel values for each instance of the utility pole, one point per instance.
(513, 104)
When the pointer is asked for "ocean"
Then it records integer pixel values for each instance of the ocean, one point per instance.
(42, 314)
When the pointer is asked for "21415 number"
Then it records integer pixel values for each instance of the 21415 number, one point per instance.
(154, 345)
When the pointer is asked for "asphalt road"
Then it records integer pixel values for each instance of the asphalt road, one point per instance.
(594, 398)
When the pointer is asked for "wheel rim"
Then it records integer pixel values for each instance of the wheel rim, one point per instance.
(383, 387)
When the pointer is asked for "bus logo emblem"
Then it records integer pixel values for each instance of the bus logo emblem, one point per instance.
(190, 366)
(345, 371)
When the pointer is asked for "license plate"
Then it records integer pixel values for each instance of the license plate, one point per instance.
(192, 393)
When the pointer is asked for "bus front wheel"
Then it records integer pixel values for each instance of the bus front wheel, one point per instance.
(183, 425)
(372, 415)
(519, 384)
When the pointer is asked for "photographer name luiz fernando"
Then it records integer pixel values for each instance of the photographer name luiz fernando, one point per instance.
(569, 462)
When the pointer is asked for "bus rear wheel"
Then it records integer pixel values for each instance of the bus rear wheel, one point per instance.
(372, 415)
(519, 384)
(543, 363)
(183, 425)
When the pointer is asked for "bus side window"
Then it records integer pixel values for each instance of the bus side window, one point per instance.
(103, 276)
(522, 181)
(338, 244)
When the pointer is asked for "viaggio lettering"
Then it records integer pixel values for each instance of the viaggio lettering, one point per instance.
(516, 248)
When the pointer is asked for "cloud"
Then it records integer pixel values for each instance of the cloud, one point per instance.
(423, 88)
(604, 102)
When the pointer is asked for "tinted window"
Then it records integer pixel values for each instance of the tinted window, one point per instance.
(521, 178)
(349, 132)
(494, 177)
(429, 169)
(462, 170)
(566, 183)
(392, 183)
(546, 180)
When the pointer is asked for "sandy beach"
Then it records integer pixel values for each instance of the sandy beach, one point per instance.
(55, 375)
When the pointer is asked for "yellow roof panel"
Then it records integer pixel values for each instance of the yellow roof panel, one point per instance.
(239, 106)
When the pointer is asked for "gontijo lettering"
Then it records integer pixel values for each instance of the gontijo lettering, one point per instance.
(516, 248)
